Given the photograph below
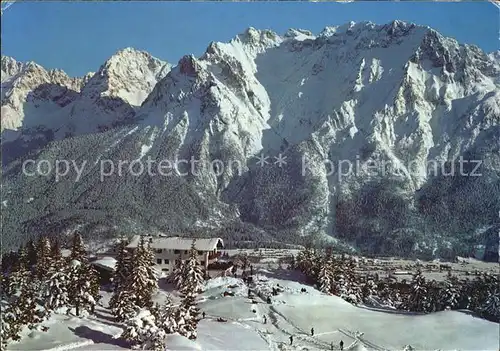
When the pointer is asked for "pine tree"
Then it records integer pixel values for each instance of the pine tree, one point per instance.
(188, 313)
(179, 274)
(31, 254)
(165, 316)
(19, 276)
(122, 305)
(122, 267)
(191, 285)
(450, 295)
(325, 275)
(56, 294)
(29, 313)
(192, 272)
(142, 331)
(417, 300)
(10, 327)
(143, 281)
(43, 259)
(78, 251)
(56, 258)
(81, 293)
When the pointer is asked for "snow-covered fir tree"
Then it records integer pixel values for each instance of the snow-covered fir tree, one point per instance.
(43, 259)
(81, 293)
(122, 266)
(30, 312)
(417, 300)
(325, 275)
(369, 289)
(450, 295)
(188, 313)
(31, 253)
(142, 332)
(56, 293)
(192, 272)
(179, 273)
(19, 274)
(78, 251)
(10, 328)
(143, 281)
(122, 305)
(166, 316)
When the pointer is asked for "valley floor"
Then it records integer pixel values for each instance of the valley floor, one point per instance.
(292, 313)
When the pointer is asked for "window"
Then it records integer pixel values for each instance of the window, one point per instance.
(200, 252)
(202, 263)
(185, 252)
(165, 270)
(166, 261)
(177, 251)
(158, 260)
(159, 250)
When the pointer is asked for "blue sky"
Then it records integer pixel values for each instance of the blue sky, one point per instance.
(78, 37)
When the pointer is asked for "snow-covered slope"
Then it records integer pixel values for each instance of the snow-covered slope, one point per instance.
(292, 313)
(398, 95)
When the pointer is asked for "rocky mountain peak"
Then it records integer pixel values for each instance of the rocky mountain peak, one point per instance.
(129, 74)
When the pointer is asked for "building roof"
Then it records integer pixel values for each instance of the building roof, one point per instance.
(178, 243)
(107, 263)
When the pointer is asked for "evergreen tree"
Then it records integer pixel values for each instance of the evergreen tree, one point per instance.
(29, 312)
(122, 267)
(10, 327)
(142, 331)
(165, 316)
(325, 275)
(56, 258)
(192, 272)
(78, 251)
(417, 300)
(450, 295)
(143, 281)
(368, 289)
(43, 259)
(122, 305)
(179, 273)
(81, 293)
(188, 314)
(31, 253)
(56, 293)
(20, 274)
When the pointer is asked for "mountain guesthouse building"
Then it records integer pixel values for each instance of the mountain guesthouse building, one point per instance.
(170, 249)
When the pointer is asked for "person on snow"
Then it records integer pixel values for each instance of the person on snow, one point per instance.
(291, 339)
(265, 319)
(331, 346)
(341, 345)
(312, 331)
(203, 314)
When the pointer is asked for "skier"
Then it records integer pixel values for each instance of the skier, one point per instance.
(291, 339)
(203, 314)
(341, 345)
(265, 319)
(312, 331)
(331, 346)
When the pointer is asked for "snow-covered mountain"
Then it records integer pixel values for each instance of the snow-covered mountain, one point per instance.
(400, 96)
(40, 106)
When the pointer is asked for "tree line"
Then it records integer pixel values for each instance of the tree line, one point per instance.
(338, 276)
(37, 281)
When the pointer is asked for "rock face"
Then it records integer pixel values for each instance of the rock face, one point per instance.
(385, 138)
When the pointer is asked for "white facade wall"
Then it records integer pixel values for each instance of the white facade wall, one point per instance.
(165, 259)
